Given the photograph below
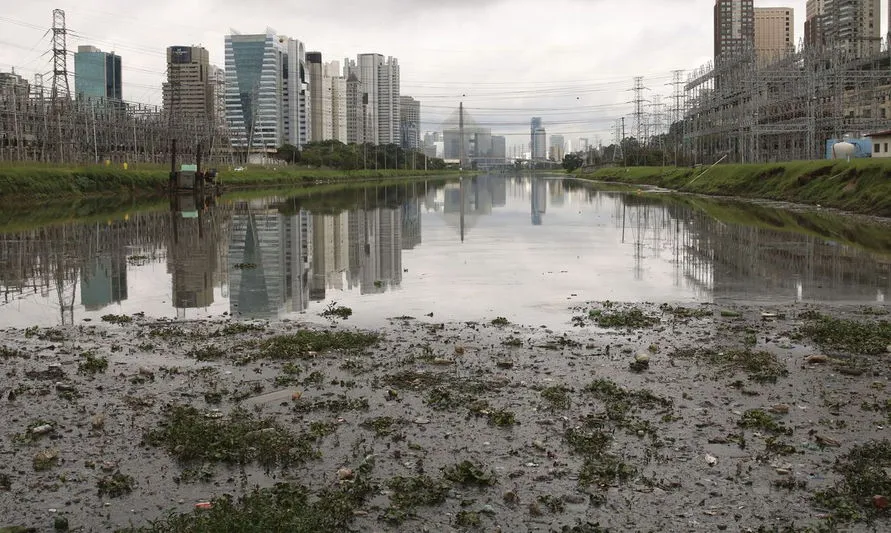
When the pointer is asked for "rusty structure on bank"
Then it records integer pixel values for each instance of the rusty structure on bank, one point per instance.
(748, 110)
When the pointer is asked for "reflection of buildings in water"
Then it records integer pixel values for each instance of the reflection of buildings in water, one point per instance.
(734, 262)
(103, 280)
(375, 249)
(498, 190)
(411, 223)
(330, 258)
(53, 261)
(556, 193)
(751, 262)
(269, 262)
(192, 259)
(471, 198)
(539, 199)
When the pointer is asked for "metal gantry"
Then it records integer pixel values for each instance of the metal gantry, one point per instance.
(752, 110)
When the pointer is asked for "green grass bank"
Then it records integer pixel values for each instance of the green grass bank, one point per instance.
(860, 186)
(37, 182)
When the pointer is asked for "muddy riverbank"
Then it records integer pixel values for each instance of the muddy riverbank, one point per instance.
(635, 418)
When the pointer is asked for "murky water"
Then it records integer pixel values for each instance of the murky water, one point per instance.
(525, 248)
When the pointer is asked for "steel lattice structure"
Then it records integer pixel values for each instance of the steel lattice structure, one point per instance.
(742, 111)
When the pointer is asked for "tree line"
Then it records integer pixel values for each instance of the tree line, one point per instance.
(664, 149)
(335, 154)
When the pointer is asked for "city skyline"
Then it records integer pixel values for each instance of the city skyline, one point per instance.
(575, 103)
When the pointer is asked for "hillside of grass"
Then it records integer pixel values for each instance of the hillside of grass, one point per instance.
(861, 186)
(37, 182)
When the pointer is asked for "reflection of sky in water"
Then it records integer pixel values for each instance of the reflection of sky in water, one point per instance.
(525, 249)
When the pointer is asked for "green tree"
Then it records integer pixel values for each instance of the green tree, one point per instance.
(288, 153)
(572, 162)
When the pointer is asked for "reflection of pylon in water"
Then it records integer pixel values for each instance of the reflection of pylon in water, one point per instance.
(638, 220)
(65, 305)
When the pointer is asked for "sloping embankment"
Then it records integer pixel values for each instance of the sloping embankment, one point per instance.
(862, 186)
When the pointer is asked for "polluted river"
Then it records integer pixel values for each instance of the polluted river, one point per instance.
(492, 353)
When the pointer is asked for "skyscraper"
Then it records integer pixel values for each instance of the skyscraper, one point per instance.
(380, 83)
(849, 26)
(317, 94)
(190, 90)
(296, 88)
(557, 149)
(410, 118)
(336, 83)
(266, 86)
(97, 74)
(538, 144)
(774, 33)
(815, 12)
(356, 111)
(499, 147)
(734, 28)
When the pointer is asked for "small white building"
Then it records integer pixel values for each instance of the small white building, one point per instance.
(881, 143)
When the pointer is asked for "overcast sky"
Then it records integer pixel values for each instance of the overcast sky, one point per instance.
(569, 61)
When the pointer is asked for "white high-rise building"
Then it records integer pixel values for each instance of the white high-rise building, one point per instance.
(336, 104)
(266, 91)
(379, 79)
(297, 127)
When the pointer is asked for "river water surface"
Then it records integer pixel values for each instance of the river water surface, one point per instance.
(524, 248)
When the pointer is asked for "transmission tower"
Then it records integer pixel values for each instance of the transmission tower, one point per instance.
(618, 153)
(678, 84)
(639, 120)
(60, 89)
(38, 85)
(656, 116)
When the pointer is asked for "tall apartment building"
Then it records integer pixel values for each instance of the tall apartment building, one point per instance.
(356, 111)
(97, 74)
(814, 14)
(266, 91)
(774, 34)
(734, 28)
(317, 95)
(850, 26)
(336, 127)
(558, 148)
(380, 82)
(410, 118)
(499, 147)
(191, 87)
(538, 142)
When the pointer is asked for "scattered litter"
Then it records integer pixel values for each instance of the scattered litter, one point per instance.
(42, 429)
(827, 441)
(780, 409)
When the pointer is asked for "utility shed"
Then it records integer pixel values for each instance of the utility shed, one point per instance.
(881, 143)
